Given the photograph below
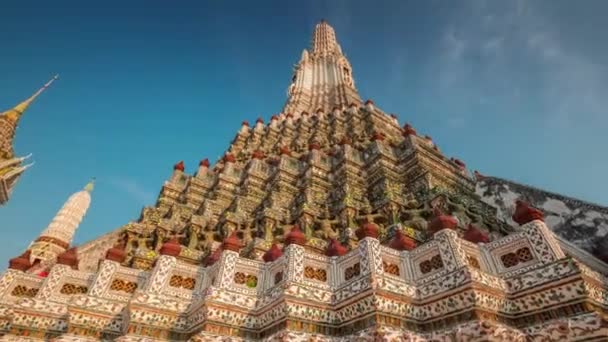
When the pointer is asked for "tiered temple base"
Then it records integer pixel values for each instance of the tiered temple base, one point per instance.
(518, 288)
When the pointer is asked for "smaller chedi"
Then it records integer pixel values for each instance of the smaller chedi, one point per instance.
(11, 167)
(53, 246)
(56, 239)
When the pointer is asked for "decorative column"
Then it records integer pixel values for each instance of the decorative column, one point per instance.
(369, 249)
(230, 254)
(104, 277)
(450, 249)
(294, 251)
(165, 262)
(540, 236)
(97, 313)
(52, 281)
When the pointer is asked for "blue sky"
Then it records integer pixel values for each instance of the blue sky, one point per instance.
(516, 89)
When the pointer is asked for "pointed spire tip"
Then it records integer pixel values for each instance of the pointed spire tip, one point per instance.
(16, 112)
(47, 84)
(90, 185)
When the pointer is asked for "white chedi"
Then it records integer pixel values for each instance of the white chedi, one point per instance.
(58, 235)
(64, 224)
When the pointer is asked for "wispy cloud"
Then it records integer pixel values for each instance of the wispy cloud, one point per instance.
(574, 85)
(491, 47)
(453, 45)
(133, 189)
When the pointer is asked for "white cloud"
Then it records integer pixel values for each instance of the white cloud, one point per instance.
(494, 46)
(133, 189)
(454, 46)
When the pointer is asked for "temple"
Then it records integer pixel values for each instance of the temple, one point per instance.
(330, 222)
(12, 167)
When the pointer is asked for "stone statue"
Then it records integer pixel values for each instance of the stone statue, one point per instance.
(268, 225)
(306, 223)
(142, 242)
(194, 230)
(161, 234)
(393, 212)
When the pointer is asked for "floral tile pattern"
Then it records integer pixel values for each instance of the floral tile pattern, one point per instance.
(158, 310)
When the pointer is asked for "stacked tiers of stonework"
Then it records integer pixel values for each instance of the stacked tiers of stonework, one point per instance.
(328, 163)
(327, 172)
(331, 222)
(520, 287)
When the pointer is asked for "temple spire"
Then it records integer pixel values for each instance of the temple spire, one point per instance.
(15, 113)
(10, 119)
(10, 166)
(324, 39)
(323, 79)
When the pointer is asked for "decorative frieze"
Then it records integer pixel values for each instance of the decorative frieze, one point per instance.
(24, 291)
(352, 271)
(123, 285)
(248, 280)
(391, 268)
(72, 289)
(432, 264)
(473, 262)
(521, 255)
(184, 282)
(317, 274)
(278, 277)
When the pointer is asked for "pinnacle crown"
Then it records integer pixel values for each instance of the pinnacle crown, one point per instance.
(90, 185)
(15, 113)
(324, 39)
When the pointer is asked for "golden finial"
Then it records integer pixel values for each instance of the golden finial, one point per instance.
(90, 185)
(15, 113)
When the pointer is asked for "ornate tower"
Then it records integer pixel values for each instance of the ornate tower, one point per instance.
(57, 237)
(323, 79)
(328, 162)
(11, 167)
(321, 225)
